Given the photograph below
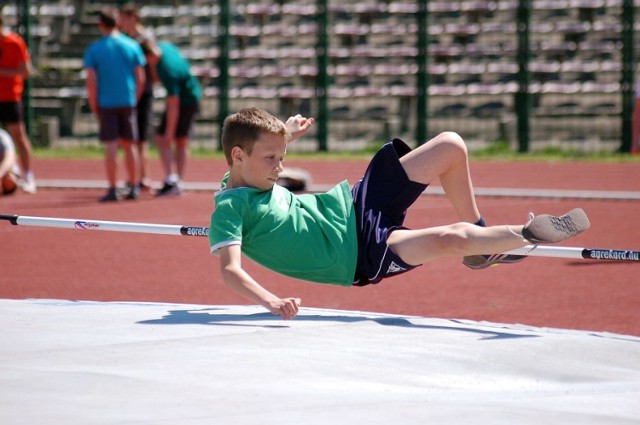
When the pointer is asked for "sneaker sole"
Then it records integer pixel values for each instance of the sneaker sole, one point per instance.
(550, 229)
(479, 262)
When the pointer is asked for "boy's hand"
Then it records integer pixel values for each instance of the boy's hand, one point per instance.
(298, 126)
(287, 308)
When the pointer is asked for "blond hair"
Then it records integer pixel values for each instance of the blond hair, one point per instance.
(243, 129)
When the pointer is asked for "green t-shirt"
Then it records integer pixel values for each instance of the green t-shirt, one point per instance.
(310, 236)
(175, 75)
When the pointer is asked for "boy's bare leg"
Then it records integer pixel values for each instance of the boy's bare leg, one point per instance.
(166, 155)
(143, 152)
(19, 135)
(459, 239)
(445, 157)
(465, 239)
(110, 161)
(181, 154)
(131, 160)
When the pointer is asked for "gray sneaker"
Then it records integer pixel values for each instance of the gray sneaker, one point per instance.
(478, 262)
(544, 228)
(547, 228)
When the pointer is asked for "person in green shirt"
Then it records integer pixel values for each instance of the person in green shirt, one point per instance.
(182, 105)
(350, 237)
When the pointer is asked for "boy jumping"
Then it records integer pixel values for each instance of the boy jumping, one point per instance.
(351, 237)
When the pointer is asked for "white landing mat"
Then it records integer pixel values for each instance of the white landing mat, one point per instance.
(66, 363)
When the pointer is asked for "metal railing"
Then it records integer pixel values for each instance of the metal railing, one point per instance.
(530, 72)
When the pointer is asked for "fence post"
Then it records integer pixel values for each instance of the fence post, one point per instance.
(223, 65)
(322, 77)
(628, 74)
(523, 96)
(422, 83)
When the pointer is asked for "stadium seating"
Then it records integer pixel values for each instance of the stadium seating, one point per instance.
(576, 61)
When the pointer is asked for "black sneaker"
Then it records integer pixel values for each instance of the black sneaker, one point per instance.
(131, 192)
(110, 196)
(169, 189)
(547, 228)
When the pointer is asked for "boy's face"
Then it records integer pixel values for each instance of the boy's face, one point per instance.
(262, 168)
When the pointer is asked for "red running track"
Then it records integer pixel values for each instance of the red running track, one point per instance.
(104, 266)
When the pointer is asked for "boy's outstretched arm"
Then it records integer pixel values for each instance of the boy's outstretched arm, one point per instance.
(238, 280)
(298, 126)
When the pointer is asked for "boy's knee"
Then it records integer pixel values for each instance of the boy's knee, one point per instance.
(454, 140)
(456, 237)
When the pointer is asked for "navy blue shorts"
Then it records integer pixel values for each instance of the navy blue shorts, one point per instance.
(186, 118)
(381, 199)
(118, 123)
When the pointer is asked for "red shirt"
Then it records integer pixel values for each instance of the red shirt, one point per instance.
(13, 52)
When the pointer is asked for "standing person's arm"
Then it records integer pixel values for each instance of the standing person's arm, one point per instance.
(9, 72)
(25, 68)
(238, 280)
(91, 85)
(140, 78)
(22, 69)
(22, 62)
(172, 114)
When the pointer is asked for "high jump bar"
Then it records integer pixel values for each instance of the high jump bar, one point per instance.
(181, 230)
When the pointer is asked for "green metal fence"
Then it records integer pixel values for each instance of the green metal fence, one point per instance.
(531, 72)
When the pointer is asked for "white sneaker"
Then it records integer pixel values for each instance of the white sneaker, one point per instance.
(29, 183)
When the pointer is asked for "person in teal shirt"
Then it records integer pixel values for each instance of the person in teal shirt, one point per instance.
(350, 237)
(182, 105)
